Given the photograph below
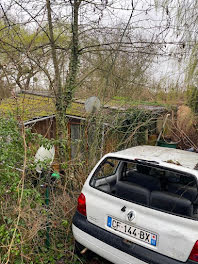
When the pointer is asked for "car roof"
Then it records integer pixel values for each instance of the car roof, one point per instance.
(183, 158)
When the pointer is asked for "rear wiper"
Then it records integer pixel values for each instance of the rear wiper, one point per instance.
(143, 161)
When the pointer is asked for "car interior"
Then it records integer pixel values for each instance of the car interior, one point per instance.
(148, 185)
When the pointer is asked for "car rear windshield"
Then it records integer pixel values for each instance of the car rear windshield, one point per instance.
(148, 185)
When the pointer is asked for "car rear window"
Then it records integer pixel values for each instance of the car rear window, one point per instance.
(106, 169)
(148, 185)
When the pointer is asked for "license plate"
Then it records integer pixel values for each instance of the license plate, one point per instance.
(132, 231)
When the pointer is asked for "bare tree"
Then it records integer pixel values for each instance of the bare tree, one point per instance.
(67, 32)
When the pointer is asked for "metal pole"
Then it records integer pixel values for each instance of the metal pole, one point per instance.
(47, 193)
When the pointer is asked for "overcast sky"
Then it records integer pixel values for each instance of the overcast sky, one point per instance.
(156, 24)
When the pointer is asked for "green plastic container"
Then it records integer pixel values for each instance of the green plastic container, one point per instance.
(162, 143)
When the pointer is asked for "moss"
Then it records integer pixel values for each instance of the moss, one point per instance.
(76, 109)
(119, 100)
(31, 106)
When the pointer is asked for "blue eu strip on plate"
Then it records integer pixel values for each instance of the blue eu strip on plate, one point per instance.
(153, 242)
(109, 221)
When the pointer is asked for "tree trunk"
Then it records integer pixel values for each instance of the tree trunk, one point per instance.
(70, 84)
(58, 90)
(64, 94)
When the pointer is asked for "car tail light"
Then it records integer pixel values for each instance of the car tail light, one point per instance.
(82, 204)
(194, 252)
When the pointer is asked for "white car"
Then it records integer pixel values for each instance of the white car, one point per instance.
(139, 206)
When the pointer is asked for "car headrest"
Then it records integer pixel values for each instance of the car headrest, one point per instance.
(133, 192)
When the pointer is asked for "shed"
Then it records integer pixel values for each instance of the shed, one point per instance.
(37, 110)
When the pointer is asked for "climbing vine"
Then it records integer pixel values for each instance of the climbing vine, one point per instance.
(133, 127)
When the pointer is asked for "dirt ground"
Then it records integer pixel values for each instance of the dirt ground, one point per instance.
(88, 258)
(92, 258)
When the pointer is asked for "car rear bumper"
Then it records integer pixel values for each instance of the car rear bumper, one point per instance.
(102, 249)
(114, 248)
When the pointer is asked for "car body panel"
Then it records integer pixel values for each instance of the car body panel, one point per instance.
(186, 159)
(176, 234)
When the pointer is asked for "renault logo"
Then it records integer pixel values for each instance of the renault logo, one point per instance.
(131, 215)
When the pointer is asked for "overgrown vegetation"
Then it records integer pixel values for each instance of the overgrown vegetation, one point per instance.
(36, 210)
(192, 98)
(79, 55)
(25, 214)
(133, 127)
